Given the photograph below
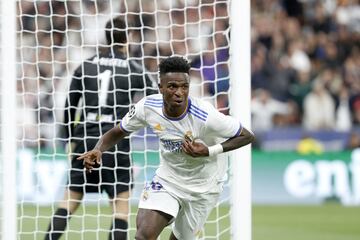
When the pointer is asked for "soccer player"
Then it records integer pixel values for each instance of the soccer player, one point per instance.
(106, 84)
(192, 133)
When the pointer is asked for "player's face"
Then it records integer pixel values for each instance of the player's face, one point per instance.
(175, 89)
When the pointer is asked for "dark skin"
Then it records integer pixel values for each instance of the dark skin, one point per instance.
(174, 87)
(175, 90)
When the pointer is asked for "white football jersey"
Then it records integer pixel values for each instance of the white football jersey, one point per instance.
(203, 122)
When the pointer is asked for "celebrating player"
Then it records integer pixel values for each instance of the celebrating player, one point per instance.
(107, 83)
(190, 177)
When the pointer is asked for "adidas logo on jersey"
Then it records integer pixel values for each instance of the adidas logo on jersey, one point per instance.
(159, 127)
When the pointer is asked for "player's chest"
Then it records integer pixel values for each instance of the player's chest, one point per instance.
(175, 131)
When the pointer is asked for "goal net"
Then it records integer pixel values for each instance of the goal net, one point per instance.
(53, 38)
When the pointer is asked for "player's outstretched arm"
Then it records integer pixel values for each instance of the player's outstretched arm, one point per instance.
(197, 149)
(108, 140)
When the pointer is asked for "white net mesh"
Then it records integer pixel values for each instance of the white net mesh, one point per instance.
(54, 38)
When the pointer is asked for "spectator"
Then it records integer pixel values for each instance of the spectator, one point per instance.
(292, 41)
(343, 111)
(356, 110)
(348, 14)
(298, 59)
(354, 141)
(320, 39)
(300, 88)
(321, 21)
(264, 108)
(319, 108)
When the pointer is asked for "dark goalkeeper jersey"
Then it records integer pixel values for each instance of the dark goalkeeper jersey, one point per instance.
(102, 90)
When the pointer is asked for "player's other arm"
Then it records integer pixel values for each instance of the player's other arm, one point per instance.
(133, 121)
(246, 137)
(108, 140)
(220, 126)
(197, 149)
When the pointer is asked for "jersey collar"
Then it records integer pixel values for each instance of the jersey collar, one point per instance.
(182, 115)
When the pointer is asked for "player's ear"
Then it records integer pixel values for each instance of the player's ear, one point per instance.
(160, 88)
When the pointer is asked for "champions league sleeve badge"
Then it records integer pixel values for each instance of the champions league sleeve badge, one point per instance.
(132, 112)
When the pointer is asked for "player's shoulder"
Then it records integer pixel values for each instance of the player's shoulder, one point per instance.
(154, 100)
(91, 60)
(201, 104)
(200, 108)
(87, 64)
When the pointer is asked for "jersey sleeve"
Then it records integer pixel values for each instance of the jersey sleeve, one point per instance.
(134, 119)
(221, 125)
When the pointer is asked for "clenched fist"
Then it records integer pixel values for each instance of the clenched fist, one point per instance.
(194, 149)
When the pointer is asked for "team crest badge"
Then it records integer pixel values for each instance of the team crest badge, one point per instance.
(189, 136)
(145, 196)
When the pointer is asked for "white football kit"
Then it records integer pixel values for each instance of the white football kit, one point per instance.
(184, 187)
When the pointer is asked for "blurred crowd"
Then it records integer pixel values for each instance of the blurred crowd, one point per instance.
(54, 37)
(305, 64)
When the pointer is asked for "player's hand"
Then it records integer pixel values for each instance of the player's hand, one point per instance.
(90, 159)
(194, 149)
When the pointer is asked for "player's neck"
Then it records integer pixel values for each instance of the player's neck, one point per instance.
(173, 112)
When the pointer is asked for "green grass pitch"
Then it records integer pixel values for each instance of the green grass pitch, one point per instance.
(326, 222)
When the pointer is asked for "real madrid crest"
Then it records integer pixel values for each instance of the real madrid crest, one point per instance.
(145, 196)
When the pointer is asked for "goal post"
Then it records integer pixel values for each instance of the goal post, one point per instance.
(8, 121)
(240, 85)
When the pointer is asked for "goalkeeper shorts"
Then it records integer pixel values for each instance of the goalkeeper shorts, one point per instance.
(190, 211)
(113, 176)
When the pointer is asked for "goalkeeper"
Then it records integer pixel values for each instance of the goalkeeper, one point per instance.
(190, 177)
(106, 85)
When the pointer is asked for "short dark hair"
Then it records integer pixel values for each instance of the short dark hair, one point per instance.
(174, 64)
(116, 31)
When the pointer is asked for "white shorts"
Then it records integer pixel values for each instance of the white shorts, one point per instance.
(190, 211)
